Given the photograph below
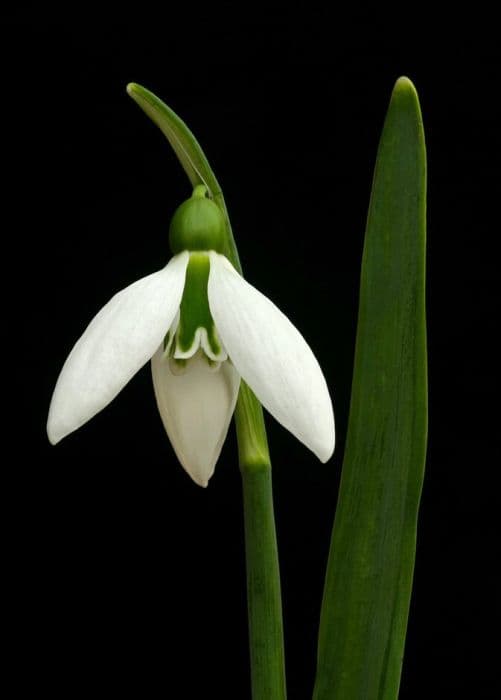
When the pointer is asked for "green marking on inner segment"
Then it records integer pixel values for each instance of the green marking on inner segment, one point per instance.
(194, 310)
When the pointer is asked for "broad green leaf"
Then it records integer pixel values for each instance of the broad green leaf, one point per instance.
(371, 561)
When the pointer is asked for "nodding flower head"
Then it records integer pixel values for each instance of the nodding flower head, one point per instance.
(203, 327)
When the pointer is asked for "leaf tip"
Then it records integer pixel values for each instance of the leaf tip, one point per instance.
(405, 99)
(404, 83)
(137, 92)
(405, 88)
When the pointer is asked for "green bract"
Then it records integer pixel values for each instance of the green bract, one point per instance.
(198, 224)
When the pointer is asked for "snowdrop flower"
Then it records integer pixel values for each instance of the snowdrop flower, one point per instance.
(203, 327)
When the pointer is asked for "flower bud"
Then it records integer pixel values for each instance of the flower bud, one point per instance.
(197, 224)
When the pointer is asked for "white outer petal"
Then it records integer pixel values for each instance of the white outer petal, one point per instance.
(272, 357)
(117, 343)
(196, 408)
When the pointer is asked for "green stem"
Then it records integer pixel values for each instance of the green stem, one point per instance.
(263, 587)
(263, 579)
(263, 575)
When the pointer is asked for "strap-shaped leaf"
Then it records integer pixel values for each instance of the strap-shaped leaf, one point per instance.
(369, 576)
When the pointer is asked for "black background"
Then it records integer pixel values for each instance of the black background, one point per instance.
(126, 576)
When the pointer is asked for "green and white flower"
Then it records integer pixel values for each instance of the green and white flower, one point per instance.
(203, 327)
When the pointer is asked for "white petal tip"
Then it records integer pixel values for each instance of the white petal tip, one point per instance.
(323, 445)
(325, 454)
(53, 435)
(57, 427)
(199, 472)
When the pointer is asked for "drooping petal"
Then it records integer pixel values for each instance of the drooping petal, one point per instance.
(196, 406)
(117, 343)
(272, 357)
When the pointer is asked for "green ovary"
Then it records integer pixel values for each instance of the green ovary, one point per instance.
(195, 319)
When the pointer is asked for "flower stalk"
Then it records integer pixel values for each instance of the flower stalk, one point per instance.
(263, 585)
(263, 576)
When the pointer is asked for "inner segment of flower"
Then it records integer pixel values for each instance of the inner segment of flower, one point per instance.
(193, 328)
